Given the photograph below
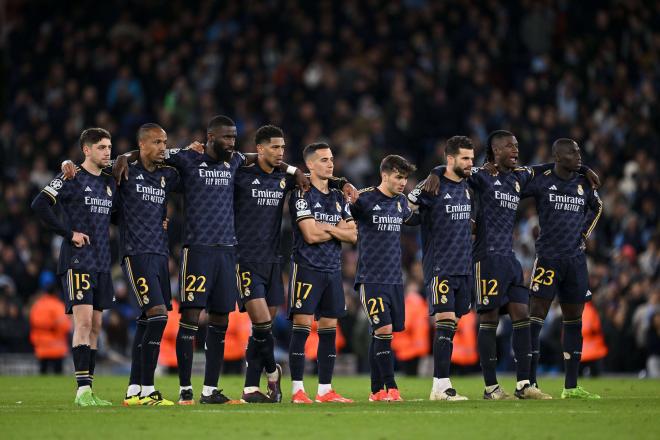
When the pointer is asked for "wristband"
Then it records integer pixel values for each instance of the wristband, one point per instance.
(291, 170)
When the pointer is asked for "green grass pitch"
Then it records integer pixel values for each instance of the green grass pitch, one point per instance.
(42, 407)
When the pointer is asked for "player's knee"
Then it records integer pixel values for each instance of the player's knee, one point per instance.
(190, 316)
(572, 311)
(518, 311)
(303, 319)
(539, 308)
(490, 316)
(384, 330)
(445, 316)
(218, 318)
(327, 322)
(159, 310)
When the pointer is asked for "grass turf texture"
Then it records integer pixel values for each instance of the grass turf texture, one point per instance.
(42, 407)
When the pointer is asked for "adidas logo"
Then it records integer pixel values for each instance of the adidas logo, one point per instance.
(203, 164)
(256, 182)
(447, 196)
(88, 189)
(318, 205)
(140, 177)
(76, 261)
(553, 188)
(376, 208)
(497, 183)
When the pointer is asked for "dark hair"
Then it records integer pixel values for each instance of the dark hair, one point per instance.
(394, 163)
(562, 142)
(220, 121)
(91, 136)
(313, 148)
(455, 143)
(144, 128)
(497, 134)
(266, 133)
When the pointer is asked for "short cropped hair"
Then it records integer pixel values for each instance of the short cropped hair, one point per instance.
(395, 163)
(91, 136)
(313, 148)
(266, 133)
(455, 143)
(145, 128)
(220, 121)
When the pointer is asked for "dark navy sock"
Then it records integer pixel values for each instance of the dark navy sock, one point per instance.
(487, 345)
(136, 356)
(92, 365)
(384, 359)
(535, 327)
(442, 346)
(572, 344)
(376, 379)
(215, 353)
(81, 354)
(151, 347)
(326, 354)
(297, 351)
(185, 340)
(522, 348)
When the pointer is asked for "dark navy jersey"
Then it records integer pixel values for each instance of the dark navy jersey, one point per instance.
(496, 204)
(259, 200)
(324, 208)
(379, 219)
(142, 205)
(86, 204)
(208, 193)
(446, 228)
(568, 212)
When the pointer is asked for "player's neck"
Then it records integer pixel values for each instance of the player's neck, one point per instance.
(563, 173)
(261, 163)
(503, 168)
(451, 175)
(147, 164)
(320, 184)
(91, 167)
(383, 188)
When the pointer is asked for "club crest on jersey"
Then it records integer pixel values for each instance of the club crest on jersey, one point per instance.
(145, 299)
(338, 206)
(108, 190)
(517, 185)
(398, 206)
(56, 184)
(282, 183)
(485, 301)
(535, 287)
(191, 296)
(298, 304)
(162, 181)
(580, 190)
(79, 295)
(467, 193)
(226, 164)
(247, 291)
(375, 319)
(443, 299)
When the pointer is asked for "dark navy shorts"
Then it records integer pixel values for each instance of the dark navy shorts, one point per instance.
(384, 305)
(312, 292)
(260, 280)
(148, 276)
(498, 280)
(450, 293)
(567, 278)
(208, 278)
(82, 287)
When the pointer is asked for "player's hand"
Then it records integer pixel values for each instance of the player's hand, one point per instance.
(165, 223)
(196, 146)
(79, 239)
(68, 169)
(431, 184)
(593, 178)
(302, 181)
(120, 169)
(351, 193)
(491, 168)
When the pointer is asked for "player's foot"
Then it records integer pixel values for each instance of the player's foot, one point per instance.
(99, 401)
(379, 396)
(301, 397)
(448, 394)
(530, 392)
(332, 396)
(393, 395)
(85, 399)
(215, 398)
(256, 397)
(131, 400)
(578, 393)
(155, 399)
(186, 397)
(498, 394)
(274, 389)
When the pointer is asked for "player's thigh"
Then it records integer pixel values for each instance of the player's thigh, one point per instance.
(492, 278)
(224, 291)
(382, 305)
(251, 283)
(144, 274)
(545, 278)
(333, 301)
(104, 291)
(77, 288)
(574, 286)
(275, 286)
(305, 290)
(196, 277)
(449, 294)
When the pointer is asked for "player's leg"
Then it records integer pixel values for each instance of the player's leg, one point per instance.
(448, 298)
(135, 376)
(82, 328)
(185, 341)
(97, 320)
(487, 346)
(331, 307)
(574, 292)
(156, 322)
(302, 325)
(545, 279)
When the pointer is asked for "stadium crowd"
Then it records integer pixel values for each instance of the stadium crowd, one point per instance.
(370, 77)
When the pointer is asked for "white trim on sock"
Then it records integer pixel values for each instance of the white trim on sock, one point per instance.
(189, 387)
(521, 384)
(248, 390)
(146, 390)
(133, 390)
(83, 389)
(324, 388)
(297, 385)
(441, 384)
(490, 388)
(207, 390)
